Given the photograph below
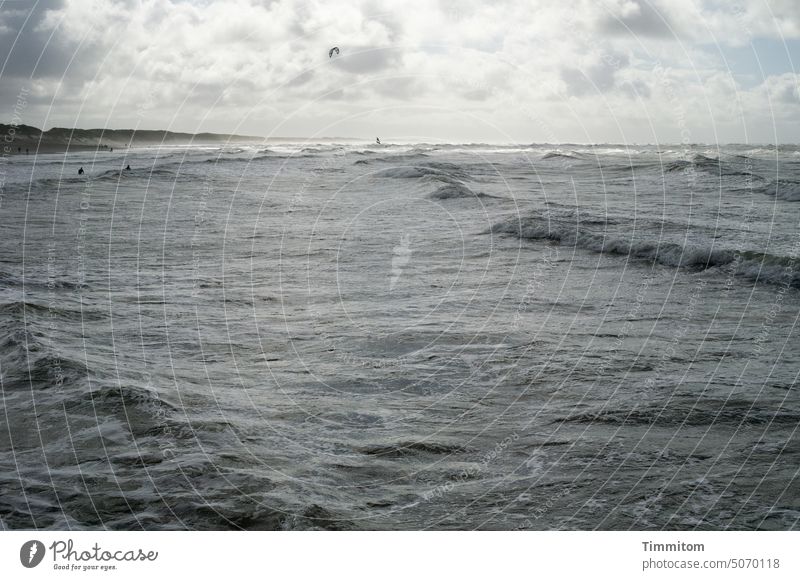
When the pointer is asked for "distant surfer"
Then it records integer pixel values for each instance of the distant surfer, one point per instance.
(378, 140)
(80, 171)
(127, 168)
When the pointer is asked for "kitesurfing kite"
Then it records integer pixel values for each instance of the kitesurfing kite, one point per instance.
(331, 51)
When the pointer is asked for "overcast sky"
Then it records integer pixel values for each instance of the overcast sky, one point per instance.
(522, 71)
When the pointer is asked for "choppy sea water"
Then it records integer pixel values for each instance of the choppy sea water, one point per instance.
(401, 337)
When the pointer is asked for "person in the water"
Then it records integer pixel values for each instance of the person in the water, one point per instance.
(128, 168)
(80, 171)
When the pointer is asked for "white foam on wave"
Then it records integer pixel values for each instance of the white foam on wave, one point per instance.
(757, 266)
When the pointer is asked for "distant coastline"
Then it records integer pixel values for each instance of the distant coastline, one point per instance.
(17, 139)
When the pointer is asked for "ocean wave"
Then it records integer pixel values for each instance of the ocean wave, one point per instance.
(243, 513)
(401, 157)
(119, 397)
(455, 191)
(445, 171)
(711, 165)
(785, 189)
(405, 448)
(167, 171)
(251, 159)
(139, 409)
(19, 309)
(756, 266)
(768, 268)
(152, 172)
(451, 168)
(41, 370)
(685, 164)
(721, 412)
(573, 156)
(18, 345)
(316, 517)
(408, 172)
(294, 155)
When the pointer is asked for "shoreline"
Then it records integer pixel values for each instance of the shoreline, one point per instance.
(28, 140)
(27, 148)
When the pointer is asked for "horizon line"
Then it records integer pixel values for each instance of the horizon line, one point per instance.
(405, 140)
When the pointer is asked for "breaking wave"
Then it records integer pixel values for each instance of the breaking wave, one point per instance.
(756, 266)
(785, 189)
(710, 165)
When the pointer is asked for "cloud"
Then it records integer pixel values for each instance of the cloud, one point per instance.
(361, 60)
(27, 48)
(783, 88)
(637, 18)
(599, 76)
(208, 65)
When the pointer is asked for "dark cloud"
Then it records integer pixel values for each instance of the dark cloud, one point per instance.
(647, 21)
(35, 56)
(26, 47)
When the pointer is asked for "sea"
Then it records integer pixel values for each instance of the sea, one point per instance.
(415, 336)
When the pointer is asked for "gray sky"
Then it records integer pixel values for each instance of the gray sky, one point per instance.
(524, 71)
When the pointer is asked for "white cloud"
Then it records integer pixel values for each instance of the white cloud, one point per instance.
(589, 68)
